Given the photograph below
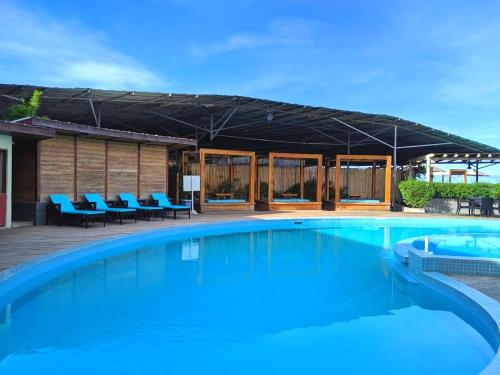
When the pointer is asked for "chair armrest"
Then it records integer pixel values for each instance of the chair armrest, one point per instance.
(90, 206)
(53, 208)
(80, 205)
(111, 202)
(121, 204)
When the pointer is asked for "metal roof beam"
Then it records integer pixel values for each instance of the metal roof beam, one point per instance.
(214, 134)
(426, 145)
(362, 132)
(97, 116)
(327, 135)
(179, 121)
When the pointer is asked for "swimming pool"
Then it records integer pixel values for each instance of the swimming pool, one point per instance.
(280, 296)
(484, 245)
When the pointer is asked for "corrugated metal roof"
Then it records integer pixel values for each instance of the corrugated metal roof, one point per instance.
(237, 122)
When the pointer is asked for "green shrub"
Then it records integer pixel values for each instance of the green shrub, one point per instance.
(416, 193)
(461, 190)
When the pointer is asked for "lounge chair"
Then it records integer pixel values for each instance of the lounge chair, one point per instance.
(161, 200)
(114, 212)
(62, 207)
(147, 211)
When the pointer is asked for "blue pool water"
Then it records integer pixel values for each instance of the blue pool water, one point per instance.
(317, 297)
(484, 245)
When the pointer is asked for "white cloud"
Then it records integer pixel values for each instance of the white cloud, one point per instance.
(42, 50)
(286, 31)
(467, 42)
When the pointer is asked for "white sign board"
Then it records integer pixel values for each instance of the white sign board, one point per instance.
(191, 183)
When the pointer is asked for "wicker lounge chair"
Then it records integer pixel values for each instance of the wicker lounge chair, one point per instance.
(148, 212)
(97, 203)
(161, 200)
(61, 206)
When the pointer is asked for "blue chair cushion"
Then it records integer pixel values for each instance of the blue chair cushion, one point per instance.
(133, 203)
(291, 200)
(119, 210)
(369, 201)
(164, 202)
(83, 212)
(68, 208)
(61, 199)
(130, 199)
(96, 198)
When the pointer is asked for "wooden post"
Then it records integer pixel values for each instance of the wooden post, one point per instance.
(202, 176)
(327, 180)
(138, 170)
(257, 179)
(106, 161)
(374, 178)
(270, 180)
(388, 184)
(75, 169)
(38, 182)
(251, 179)
(302, 178)
(319, 178)
(166, 171)
(337, 180)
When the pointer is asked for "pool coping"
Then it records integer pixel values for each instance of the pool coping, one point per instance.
(428, 268)
(406, 252)
(20, 278)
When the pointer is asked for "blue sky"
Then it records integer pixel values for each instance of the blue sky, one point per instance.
(434, 62)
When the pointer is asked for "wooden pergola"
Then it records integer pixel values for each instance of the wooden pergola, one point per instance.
(226, 203)
(364, 204)
(293, 204)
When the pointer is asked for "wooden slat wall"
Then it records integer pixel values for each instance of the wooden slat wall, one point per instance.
(153, 170)
(59, 157)
(122, 168)
(24, 172)
(57, 166)
(360, 181)
(90, 166)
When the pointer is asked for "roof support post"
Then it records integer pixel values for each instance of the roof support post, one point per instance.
(97, 115)
(428, 167)
(394, 168)
(214, 134)
(211, 126)
(477, 170)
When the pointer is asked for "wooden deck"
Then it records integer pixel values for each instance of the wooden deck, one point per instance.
(21, 244)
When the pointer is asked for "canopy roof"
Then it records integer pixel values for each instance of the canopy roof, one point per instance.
(237, 122)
